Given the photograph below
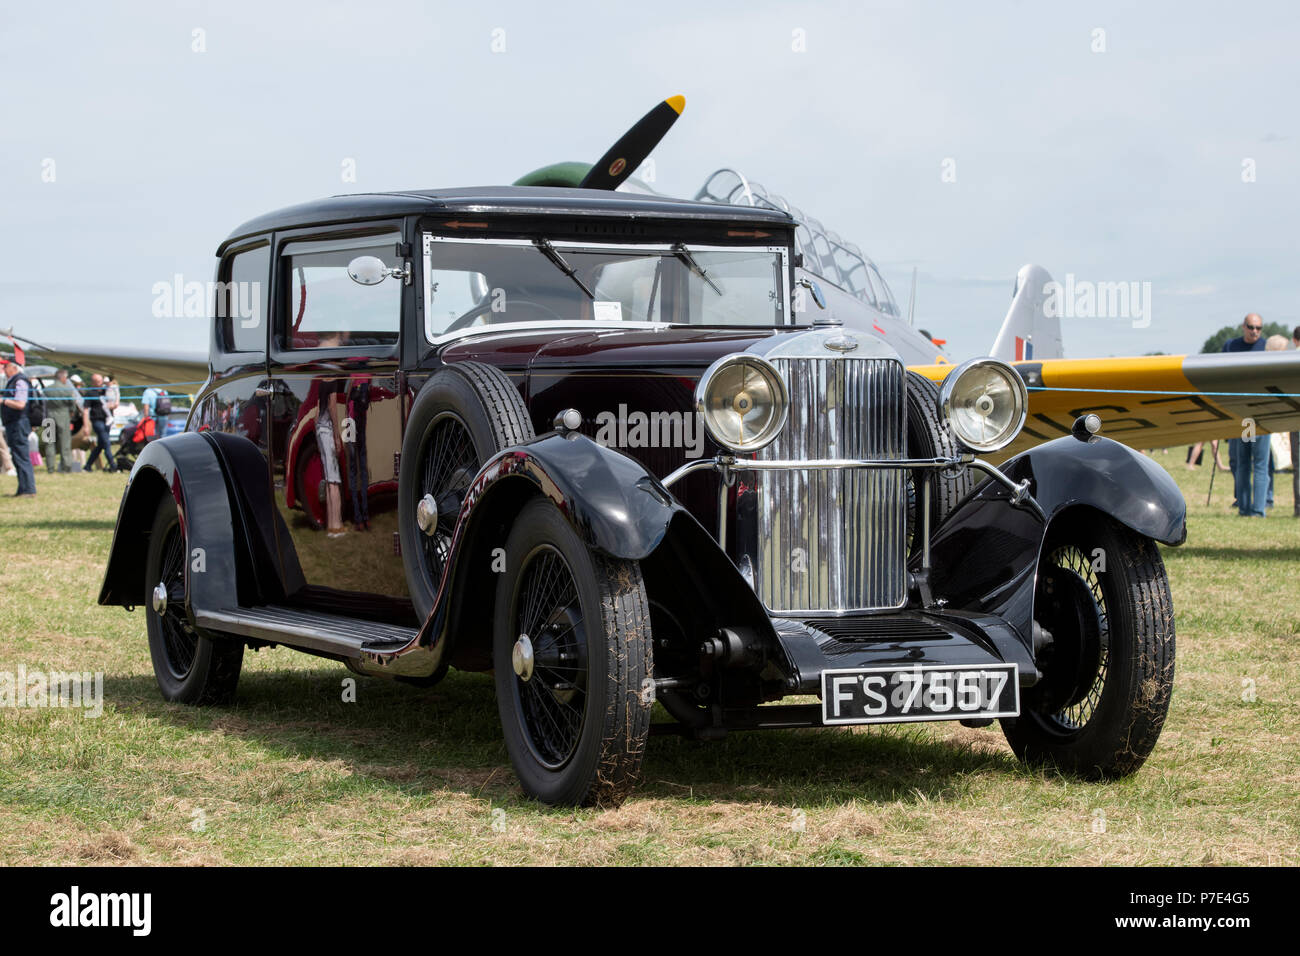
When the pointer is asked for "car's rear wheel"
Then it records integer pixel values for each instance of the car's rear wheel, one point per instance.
(572, 662)
(1108, 672)
(191, 666)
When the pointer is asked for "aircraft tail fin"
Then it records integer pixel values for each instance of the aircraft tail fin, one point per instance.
(1028, 332)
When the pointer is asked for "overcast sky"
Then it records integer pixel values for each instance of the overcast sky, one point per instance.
(1115, 156)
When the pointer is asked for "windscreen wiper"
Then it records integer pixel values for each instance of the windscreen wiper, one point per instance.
(684, 254)
(548, 250)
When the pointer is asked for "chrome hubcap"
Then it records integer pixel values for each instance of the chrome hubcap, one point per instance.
(426, 514)
(159, 598)
(522, 657)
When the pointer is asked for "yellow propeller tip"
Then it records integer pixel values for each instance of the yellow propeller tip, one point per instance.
(678, 103)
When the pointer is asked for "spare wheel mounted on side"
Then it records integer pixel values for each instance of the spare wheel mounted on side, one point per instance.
(463, 415)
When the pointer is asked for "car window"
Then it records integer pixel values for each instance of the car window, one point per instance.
(323, 307)
(241, 301)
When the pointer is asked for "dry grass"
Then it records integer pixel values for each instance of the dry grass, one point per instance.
(293, 775)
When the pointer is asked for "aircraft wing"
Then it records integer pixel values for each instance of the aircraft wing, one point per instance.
(184, 371)
(1155, 401)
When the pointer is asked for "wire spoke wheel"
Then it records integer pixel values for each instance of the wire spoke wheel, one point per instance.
(1106, 656)
(572, 661)
(449, 465)
(552, 696)
(1079, 664)
(191, 665)
(179, 640)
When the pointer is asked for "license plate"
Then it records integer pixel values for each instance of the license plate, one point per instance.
(878, 695)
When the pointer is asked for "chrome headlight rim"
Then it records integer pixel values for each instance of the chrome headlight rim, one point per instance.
(780, 392)
(1019, 413)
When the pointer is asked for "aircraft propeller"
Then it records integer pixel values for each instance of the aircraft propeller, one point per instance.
(620, 160)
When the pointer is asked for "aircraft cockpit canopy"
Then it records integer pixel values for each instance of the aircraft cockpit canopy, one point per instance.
(824, 253)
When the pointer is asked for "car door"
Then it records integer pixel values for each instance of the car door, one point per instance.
(335, 365)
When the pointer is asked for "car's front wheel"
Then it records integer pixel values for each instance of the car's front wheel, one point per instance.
(192, 667)
(572, 661)
(1108, 671)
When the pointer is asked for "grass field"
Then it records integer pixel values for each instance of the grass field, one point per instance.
(292, 774)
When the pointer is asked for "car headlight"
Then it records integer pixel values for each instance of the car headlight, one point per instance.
(743, 401)
(984, 402)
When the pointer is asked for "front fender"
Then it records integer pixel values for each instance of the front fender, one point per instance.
(616, 507)
(614, 504)
(1108, 476)
(985, 554)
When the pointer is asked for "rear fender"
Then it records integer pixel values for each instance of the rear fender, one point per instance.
(228, 563)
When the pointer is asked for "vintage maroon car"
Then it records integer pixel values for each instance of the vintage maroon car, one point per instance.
(606, 446)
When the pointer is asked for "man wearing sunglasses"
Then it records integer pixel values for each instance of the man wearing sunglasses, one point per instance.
(1249, 459)
(1251, 338)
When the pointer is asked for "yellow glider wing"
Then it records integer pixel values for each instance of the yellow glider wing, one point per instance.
(1154, 401)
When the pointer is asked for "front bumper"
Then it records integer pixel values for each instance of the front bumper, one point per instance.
(901, 639)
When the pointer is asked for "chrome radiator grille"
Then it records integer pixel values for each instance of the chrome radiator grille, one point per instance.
(834, 540)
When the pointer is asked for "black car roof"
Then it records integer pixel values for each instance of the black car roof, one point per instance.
(525, 200)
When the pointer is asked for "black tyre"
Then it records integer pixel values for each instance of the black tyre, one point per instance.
(191, 666)
(572, 661)
(464, 414)
(1108, 674)
(928, 436)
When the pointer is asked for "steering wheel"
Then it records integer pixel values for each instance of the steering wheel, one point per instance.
(468, 319)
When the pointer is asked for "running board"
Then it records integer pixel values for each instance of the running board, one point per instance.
(331, 634)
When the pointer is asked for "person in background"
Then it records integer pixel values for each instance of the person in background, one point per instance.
(6, 460)
(1295, 444)
(112, 395)
(1251, 337)
(13, 413)
(62, 403)
(1275, 343)
(149, 399)
(84, 434)
(1194, 455)
(1254, 454)
(98, 415)
(1252, 328)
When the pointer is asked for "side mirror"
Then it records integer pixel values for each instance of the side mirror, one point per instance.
(368, 270)
(372, 271)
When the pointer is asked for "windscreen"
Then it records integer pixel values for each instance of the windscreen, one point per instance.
(471, 284)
